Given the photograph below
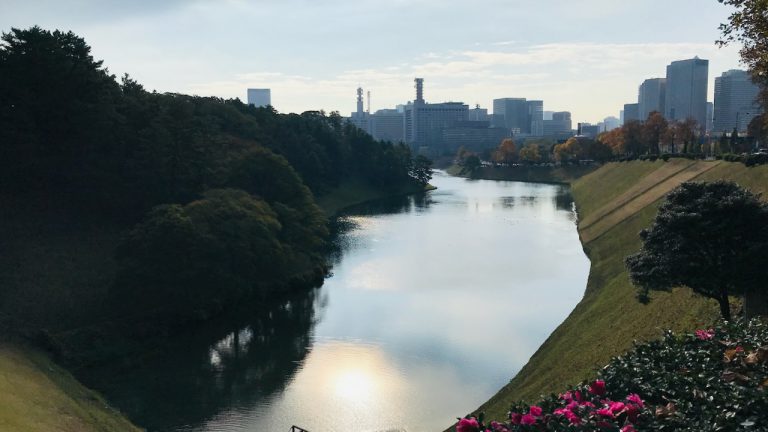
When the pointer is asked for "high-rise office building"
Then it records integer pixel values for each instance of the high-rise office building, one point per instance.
(631, 112)
(651, 97)
(360, 118)
(424, 122)
(259, 97)
(735, 101)
(519, 115)
(560, 126)
(478, 114)
(388, 125)
(535, 118)
(610, 123)
(686, 92)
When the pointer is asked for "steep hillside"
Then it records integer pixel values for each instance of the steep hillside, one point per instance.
(615, 203)
(36, 395)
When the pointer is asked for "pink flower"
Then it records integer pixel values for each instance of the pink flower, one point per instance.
(567, 396)
(705, 334)
(632, 412)
(528, 420)
(498, 427)
(467, 425)
(588, 404)
(635, 398)
(577, 395)
(536, 411)
(604, 412)
(597, 388)
(560, 411)
(573, 418)
(617, 407)
(628, 428)
(572, 406)
(515, 418)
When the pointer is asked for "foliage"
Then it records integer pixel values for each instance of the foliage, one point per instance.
(421, 169)
(193, 260)
(506, 152)
(530, 153)
(711, 237)
(713, 379)
(578, 148)
(748, 25)
(472, 163)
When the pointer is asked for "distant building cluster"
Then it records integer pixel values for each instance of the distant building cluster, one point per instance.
(682, 95)
(442, 128)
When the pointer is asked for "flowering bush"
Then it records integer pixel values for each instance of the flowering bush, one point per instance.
(711, 380)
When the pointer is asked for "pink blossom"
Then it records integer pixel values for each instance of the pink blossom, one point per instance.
(597, 388)
(705, 334)
(536, 411)
(588, 404)
(567, 396)
(617, 406)
(605, 412)
(515, 418)
(573, 418)
(528, 420)
(632, 412)
(573, 406)
(628, 428)
(467, 425)
(577, 395)
(635, 398)
(498, 427)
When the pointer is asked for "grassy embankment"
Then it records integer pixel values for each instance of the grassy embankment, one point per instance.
(536, 174)
(37, 395)
(615, 203)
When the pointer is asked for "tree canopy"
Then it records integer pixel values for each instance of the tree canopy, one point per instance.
(710, 237)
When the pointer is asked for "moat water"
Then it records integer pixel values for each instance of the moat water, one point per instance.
(434, 303)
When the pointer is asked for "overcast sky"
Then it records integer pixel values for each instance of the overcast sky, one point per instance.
(587, 56)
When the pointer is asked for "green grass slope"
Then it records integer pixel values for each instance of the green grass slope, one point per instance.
(36, 395)
(608, 318)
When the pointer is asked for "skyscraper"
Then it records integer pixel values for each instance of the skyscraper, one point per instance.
(735, 101)
(425, 122)
(651, 97)
(519, 115)
(631, 112)
(259, 97)
(686, 92)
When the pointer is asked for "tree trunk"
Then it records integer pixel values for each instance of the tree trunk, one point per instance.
(755, 304)
(725, 307)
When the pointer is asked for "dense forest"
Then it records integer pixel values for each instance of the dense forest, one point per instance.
(214, 200)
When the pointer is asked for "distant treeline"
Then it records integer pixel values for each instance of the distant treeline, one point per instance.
(220, 194)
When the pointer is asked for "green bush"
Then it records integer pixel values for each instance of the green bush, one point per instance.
(711, 380)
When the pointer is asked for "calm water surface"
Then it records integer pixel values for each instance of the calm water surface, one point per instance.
(434, 303)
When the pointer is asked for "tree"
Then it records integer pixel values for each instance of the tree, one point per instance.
(655, 128)
(613, 139)
(568, 151)
(421, 170)
(471, 165)
(530, 153)
(748, 25)
(506, 153)
(710, 237)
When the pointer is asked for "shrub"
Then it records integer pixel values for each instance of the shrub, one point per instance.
(710, 380)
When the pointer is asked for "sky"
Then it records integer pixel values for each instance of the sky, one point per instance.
(587, 57)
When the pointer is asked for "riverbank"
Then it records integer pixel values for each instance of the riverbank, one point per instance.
(615, 202)
(357, 191)
(38, 395)
(565, 174)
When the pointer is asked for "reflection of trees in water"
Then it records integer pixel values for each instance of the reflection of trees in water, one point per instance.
(230, 364)
(345, 223)
(563, 198)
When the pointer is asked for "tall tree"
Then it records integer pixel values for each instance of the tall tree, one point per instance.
(506, 152)
(710, 237)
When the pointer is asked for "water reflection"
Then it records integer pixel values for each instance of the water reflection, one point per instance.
(434, 303)
(231, 363)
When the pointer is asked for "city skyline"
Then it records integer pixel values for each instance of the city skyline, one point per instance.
(587, 58)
